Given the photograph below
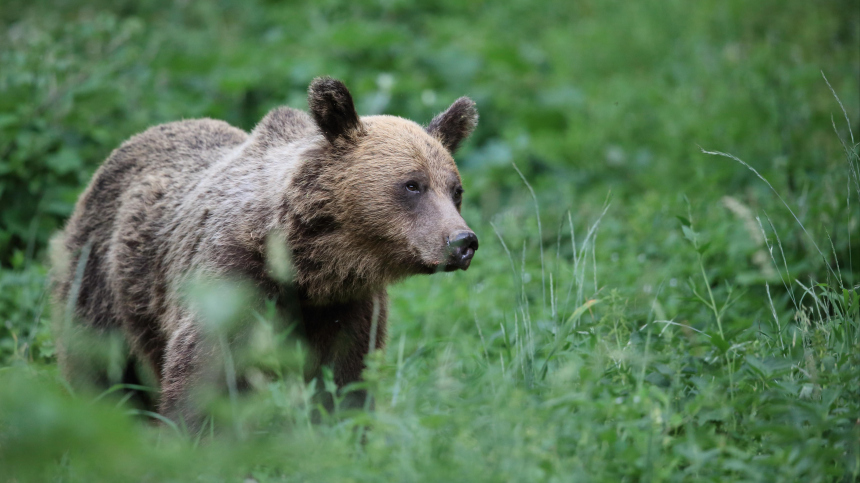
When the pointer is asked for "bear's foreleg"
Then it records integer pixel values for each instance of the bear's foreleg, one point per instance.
(192, 364)
(340, 335)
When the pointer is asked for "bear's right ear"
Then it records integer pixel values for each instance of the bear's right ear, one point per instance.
(332, 109)
(455, 124)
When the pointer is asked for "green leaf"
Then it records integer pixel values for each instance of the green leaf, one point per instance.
(8, 120)
(758, 367)
(690, 234)
(64, 161)
(721, 344)
(580, 310)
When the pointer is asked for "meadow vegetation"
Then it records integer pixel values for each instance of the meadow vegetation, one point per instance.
(643, 306)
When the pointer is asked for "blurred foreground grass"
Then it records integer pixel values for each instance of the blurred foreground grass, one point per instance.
(680, 339)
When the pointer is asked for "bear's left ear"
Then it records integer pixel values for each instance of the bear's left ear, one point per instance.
(332, 109)
(454, 125)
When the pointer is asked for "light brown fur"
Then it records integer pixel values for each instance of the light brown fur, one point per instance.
(202, 198)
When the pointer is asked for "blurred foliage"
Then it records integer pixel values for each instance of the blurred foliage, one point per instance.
(558, 352)
(579, 93)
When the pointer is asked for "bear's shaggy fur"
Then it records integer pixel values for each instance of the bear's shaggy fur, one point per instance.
(359, 201)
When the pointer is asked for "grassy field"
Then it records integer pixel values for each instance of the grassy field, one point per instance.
(642, 308)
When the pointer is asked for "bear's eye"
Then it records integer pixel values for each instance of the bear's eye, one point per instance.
(458, 196)
(413, 187)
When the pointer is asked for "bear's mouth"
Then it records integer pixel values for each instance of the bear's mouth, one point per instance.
(457, 255)
(460, 261)
(460, 248)
(429, 268)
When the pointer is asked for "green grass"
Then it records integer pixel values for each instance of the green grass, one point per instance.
(639, 310)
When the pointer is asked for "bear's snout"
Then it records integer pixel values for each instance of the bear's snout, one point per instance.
(461, 247)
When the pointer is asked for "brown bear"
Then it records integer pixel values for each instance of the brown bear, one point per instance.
(359, 202)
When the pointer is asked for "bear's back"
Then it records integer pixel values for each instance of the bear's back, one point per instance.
(183, 146)
(163, 158)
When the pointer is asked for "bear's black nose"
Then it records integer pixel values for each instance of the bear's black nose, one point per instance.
(462, 246)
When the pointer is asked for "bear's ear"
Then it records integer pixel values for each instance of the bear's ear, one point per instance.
(332, 109)
(454, 125)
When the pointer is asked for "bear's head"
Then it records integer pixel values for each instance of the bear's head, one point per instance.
(390, 187)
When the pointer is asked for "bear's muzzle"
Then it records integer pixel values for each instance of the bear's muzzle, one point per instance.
(461, 249)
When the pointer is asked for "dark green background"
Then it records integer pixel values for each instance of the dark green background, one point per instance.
(591, 100)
